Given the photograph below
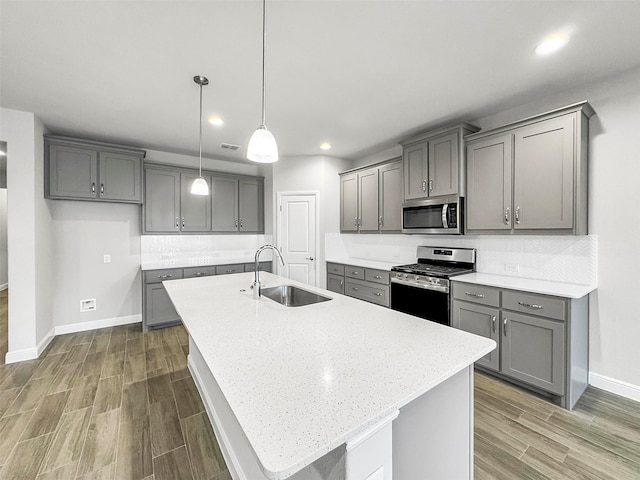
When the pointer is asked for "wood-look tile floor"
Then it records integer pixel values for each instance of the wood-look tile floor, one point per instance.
(119, 404)
(107, 404)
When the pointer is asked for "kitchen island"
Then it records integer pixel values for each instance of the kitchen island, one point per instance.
(341, 389)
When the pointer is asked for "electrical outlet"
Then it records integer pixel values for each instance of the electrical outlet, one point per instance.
(88, 305)
(512, 267)
(107, 259)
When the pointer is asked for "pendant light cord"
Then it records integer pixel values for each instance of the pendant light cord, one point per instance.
(200, 133)
(264, 41)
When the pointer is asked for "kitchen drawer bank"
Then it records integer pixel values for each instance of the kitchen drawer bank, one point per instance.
(158, 310)
(543, 340)
(357, 281)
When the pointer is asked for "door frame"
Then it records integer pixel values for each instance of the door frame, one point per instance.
(310, 193)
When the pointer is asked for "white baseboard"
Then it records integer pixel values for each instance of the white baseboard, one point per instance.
(4, 286)
(31, 353)
(612, 385)
(96, 324)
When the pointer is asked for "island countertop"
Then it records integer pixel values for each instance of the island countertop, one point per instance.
(302, 381)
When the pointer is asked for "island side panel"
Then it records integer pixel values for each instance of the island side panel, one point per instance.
(433, 435)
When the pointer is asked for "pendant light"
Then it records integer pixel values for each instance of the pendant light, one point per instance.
(262, 146)
(199, 185)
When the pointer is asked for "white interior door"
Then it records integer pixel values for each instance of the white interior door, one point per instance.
(297, 236)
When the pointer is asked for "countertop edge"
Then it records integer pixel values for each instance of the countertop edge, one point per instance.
(543, 287)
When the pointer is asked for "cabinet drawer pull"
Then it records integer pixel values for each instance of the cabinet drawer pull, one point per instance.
(354, 272)
(477, 295)
(198, 274)
(531, 305)
(378, 294)
(377, 276)
(493, 323)
(230, 271)
(354, 288)
(504, 326)
(168, 275)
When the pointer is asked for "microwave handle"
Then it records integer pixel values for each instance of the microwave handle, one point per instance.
(445, 209)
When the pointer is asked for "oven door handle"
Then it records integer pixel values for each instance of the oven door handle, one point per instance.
(445, 209)
(435, 288)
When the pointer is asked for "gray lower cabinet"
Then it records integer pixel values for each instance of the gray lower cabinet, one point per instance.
(262, 267)
(542, 341)
(367, 284)
(157, 308)
(85, 170)
(530, 176)
(371, 198)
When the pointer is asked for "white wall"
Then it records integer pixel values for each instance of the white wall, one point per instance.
(28, 236)
(316, 173)
(4, 272)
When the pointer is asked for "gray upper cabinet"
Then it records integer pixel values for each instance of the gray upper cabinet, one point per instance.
(161, 210)
(530, 176)
(390, 197)
(251, 206)
(85, 170)
(224, 196)
(371, 198)
(433, 163)
(195, 210)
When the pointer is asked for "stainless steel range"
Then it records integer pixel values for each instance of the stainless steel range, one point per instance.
(422, 289)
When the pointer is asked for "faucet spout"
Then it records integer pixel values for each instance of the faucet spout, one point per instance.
(256, 283)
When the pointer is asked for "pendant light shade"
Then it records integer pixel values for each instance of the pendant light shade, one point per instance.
(262, 146)
(199, 185)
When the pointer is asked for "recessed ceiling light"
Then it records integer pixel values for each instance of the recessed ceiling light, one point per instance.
(216, 120)
(552, 43)
(325, 146)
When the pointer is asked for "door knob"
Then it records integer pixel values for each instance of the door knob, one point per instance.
(309, 258)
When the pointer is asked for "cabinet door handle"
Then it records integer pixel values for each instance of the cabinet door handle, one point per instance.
(241, 224)
(168, 275)
(182, 222)
(424, 185)
(517, 215)
(177, 223)
(506, 215)
(431, 184)
(236, 223)
(531, 305)
(380, 223)
(93, 187)
(341, 282)
(477, 295)
(504, 326)
(493, 323)
(102, 189)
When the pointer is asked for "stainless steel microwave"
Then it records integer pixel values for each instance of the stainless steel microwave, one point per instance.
(442, 216)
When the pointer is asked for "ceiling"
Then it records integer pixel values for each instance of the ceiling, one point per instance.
(358, 74)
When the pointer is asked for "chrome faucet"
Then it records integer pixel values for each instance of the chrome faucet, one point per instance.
(256, 283)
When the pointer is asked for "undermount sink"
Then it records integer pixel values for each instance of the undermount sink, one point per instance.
(292, 296)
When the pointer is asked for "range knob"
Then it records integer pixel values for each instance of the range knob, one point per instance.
(417, 278)
(406, 276)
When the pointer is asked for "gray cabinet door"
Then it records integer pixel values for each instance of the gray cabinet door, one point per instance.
(195, 210)
(489, 183)
(349, 202)
(224, 197)
(481, 321)
(251, 206)
(544, 175)
(120, 177)
(335, 283)
(443, 165)
(159, 308)
(533, 350)
(416, 166)
(162, 201)
(390, 197)
(73, 172)
(368, 200)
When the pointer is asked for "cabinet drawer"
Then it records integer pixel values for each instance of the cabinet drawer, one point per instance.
(262, 266)
(366, 291)
(226, 269)
(354, 272)
(192, 272)
(476, 294)
(157, 276)
(377, 276)
(534, 304)
(335, 268)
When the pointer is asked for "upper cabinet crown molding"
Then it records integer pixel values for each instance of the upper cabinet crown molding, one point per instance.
(433, 163)
(77, 169)
(530, 176)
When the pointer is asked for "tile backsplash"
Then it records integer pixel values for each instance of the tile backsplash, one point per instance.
(571, 259)
(199, 249)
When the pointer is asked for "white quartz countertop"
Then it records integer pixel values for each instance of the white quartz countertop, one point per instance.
(560, 289)
(359, 262)
(302, 381)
